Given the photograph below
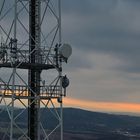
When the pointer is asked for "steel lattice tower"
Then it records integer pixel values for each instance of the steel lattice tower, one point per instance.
(31, 68)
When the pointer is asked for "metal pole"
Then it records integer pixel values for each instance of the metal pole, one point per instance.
(34, 74)
(60, 71)
(59, 22)
(61, 108)
(15, 21)
(14, 72)
(12, 105)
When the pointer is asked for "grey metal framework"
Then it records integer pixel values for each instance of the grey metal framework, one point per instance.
(31, 68)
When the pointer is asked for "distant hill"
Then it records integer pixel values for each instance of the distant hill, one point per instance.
(77, 119)
(82, 123)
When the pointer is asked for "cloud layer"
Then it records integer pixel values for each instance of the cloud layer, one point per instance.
(105, 36)
(106, 47)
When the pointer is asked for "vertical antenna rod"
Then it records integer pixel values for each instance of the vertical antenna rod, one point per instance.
(34, 75)
(60, 72)
(14, 70)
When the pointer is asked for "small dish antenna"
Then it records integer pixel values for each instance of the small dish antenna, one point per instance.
(65, 51)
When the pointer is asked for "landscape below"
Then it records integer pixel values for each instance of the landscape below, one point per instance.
(83, 125)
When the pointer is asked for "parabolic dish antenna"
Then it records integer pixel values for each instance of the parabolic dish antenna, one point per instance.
(65, 51)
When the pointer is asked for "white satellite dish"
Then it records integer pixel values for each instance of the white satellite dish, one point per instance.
(65, 51)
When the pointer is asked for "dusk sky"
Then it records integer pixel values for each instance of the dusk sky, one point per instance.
(104, 67)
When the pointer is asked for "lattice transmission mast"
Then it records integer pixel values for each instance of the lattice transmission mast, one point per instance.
(31, 57)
